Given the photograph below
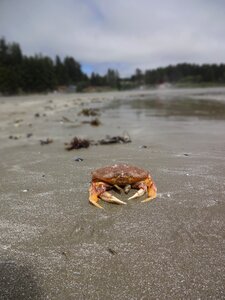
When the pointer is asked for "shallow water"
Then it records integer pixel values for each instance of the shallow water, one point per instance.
(172, 106)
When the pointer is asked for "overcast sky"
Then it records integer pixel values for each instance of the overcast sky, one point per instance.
(121, 34)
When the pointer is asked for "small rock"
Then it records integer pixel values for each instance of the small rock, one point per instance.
(46, 142)
(95, 122)
(78, 159)
(13, 137)
(143, 147)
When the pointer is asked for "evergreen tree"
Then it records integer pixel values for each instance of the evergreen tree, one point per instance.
(113, 78)
(19, 73)
(10, 67)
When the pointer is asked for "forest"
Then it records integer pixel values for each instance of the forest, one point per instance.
(21, 74)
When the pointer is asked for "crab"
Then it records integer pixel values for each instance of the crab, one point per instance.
(123, 177)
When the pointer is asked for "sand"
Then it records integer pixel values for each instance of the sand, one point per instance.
(55, 245)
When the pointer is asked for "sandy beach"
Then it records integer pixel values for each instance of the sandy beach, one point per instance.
(55, 245)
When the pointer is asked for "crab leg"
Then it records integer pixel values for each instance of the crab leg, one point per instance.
(94, 200)
(106, 196)
(138, 194)
(152, 192)
(118, 188)
(96, 188)
(145, 186)
(127, 188)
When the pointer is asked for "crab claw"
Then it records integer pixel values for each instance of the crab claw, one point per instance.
(106, 196)
(138, 194)
(149, 199)
(152, 193)
(94, 190)
(95, 203)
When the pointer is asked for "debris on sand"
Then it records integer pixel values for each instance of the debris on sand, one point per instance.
(46, 142)
(66, 120)
(29, 135)
(94, 122)
(143, 147)
(64, 253)
(78, 159)
(115, 139)
(89, 112)
(17, 123)
(14, 137)
(77, 143)
(111, 251)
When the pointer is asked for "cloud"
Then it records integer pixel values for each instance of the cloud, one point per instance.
(125, 34)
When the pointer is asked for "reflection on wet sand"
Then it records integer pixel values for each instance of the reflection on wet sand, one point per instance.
(182, 107)
(210, 109)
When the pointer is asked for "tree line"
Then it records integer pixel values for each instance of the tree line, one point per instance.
(183, 74)
(21, 73)
(30, 74)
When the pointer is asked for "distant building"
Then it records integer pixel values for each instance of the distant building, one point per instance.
(66, 89)
(71, 89)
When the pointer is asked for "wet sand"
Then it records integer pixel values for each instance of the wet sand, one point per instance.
(55, 245)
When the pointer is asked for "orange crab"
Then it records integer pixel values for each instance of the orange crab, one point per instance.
(122, 177)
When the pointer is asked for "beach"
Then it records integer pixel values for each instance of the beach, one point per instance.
(55, 245)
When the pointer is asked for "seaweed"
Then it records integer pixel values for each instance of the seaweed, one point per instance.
(77, 143)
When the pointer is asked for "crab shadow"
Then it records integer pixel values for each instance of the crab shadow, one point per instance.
(17, 281)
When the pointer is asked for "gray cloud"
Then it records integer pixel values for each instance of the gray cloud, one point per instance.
(125, 34)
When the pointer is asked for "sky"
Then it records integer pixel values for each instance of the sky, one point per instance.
(118, 34)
